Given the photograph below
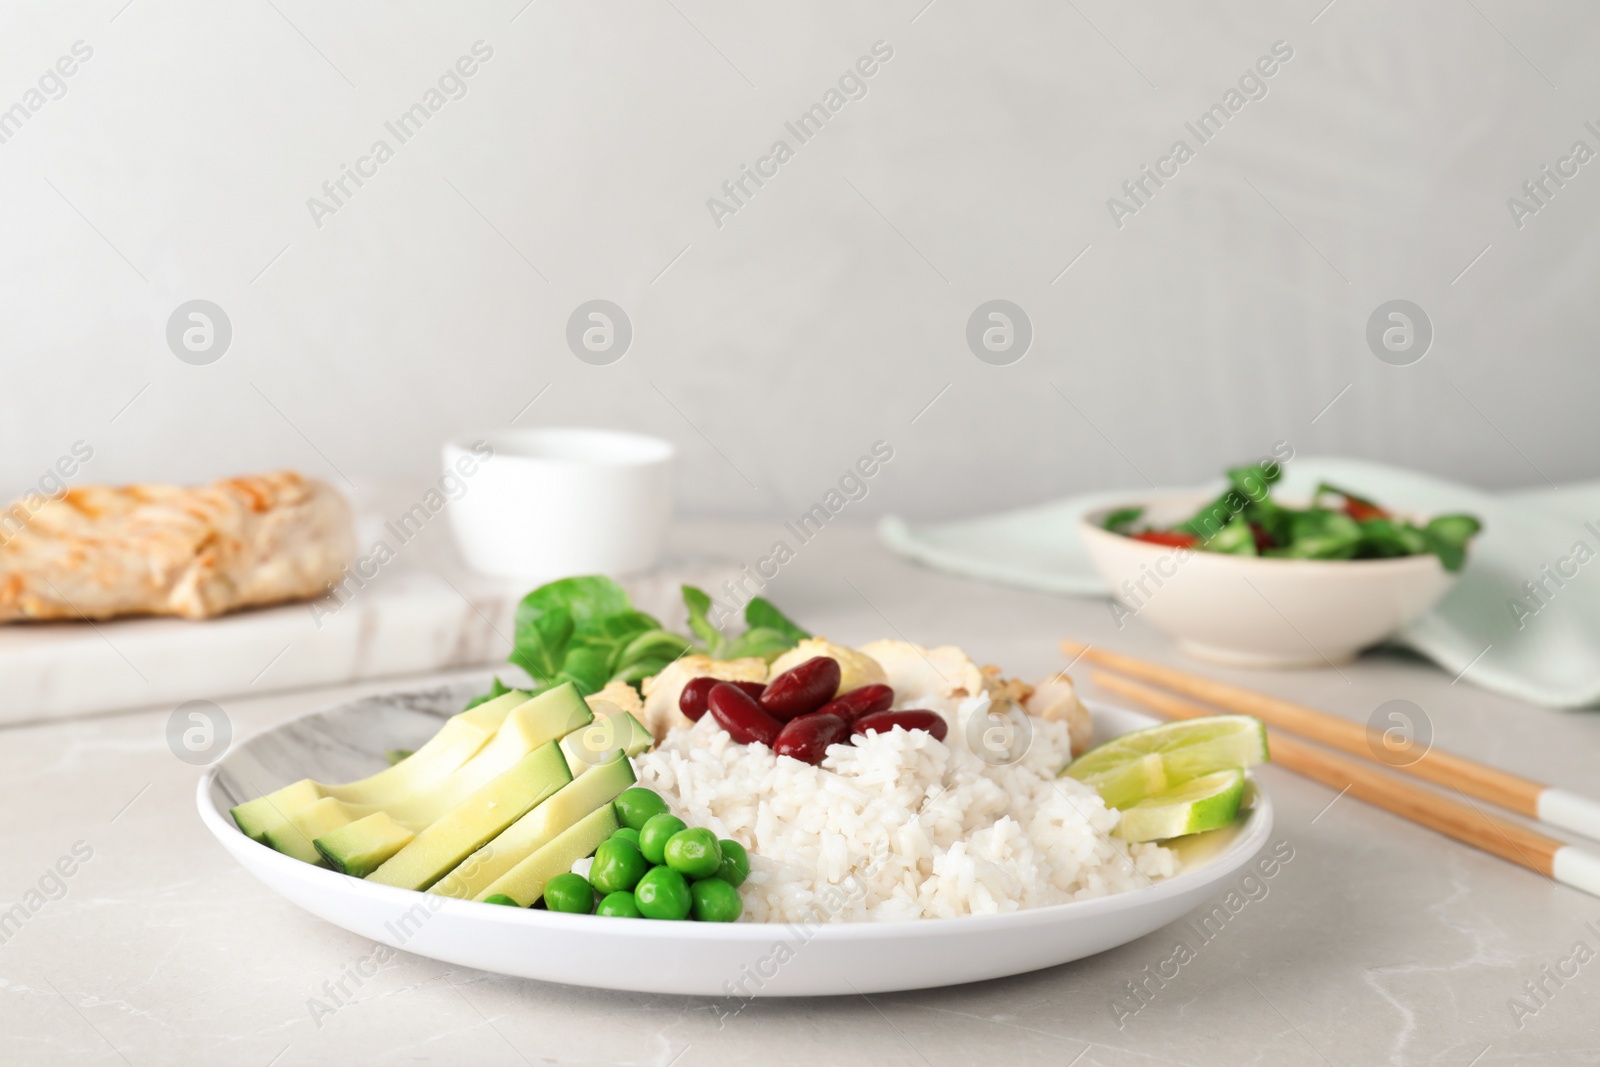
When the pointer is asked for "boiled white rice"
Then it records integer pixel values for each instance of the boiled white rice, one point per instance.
(901, 826)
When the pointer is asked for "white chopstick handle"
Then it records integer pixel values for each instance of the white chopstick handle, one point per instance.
(1577, 868)
(1571, 812)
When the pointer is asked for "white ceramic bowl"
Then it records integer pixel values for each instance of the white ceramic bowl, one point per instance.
(549, 503)
(702, 959)
(1252, 611)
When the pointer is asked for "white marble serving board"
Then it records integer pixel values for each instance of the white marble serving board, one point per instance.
(424, 612)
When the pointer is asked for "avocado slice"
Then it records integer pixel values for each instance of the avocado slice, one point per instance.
(256, 818)
(361, 847)
(595, 743)
(471, 731)
(533, 723)
(525, 882)
(456, 742)
(437, 850)
(294, 836)
(587, 792)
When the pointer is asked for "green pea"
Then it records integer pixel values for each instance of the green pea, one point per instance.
(627, 833)
(693, 853)
(735, 863)
(636, 806)
(619, 906)
(715, 901)
(570, 893)
(618, 866)
(653, 838)
(501, 898)
(663, 894)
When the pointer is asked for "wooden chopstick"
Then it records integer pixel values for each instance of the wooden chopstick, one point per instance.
(1466, 823)
(1557, 807)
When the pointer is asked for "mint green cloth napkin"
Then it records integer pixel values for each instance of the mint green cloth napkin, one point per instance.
(1542, 645)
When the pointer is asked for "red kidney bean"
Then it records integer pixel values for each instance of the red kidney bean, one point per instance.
(803, 689)
(858, 702)
(692, 701)
(808, 737)
(737, 712)
(884, 721)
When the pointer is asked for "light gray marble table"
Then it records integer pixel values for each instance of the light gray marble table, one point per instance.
(1378, 942)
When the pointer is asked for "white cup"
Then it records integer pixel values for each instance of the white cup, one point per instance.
(551, 503)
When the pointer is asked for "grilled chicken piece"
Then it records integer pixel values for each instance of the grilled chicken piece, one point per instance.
(999, 687)
(935, 678)
(99, 552)
(1056, 698)
(621, 696)
(941, 678)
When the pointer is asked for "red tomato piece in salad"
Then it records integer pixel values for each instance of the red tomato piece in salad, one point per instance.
(1170, 538)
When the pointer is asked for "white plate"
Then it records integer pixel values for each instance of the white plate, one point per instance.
(741, 959)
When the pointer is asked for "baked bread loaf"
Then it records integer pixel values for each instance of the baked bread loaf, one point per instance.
(99, 552)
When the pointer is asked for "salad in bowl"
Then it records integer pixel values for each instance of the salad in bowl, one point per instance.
(1246, 578)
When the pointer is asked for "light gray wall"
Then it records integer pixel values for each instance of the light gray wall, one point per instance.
(828, 312)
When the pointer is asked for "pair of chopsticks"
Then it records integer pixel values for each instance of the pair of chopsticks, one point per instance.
(1462, 820)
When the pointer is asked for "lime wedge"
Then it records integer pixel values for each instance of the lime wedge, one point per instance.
(1127, 769)
(1209, 802)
